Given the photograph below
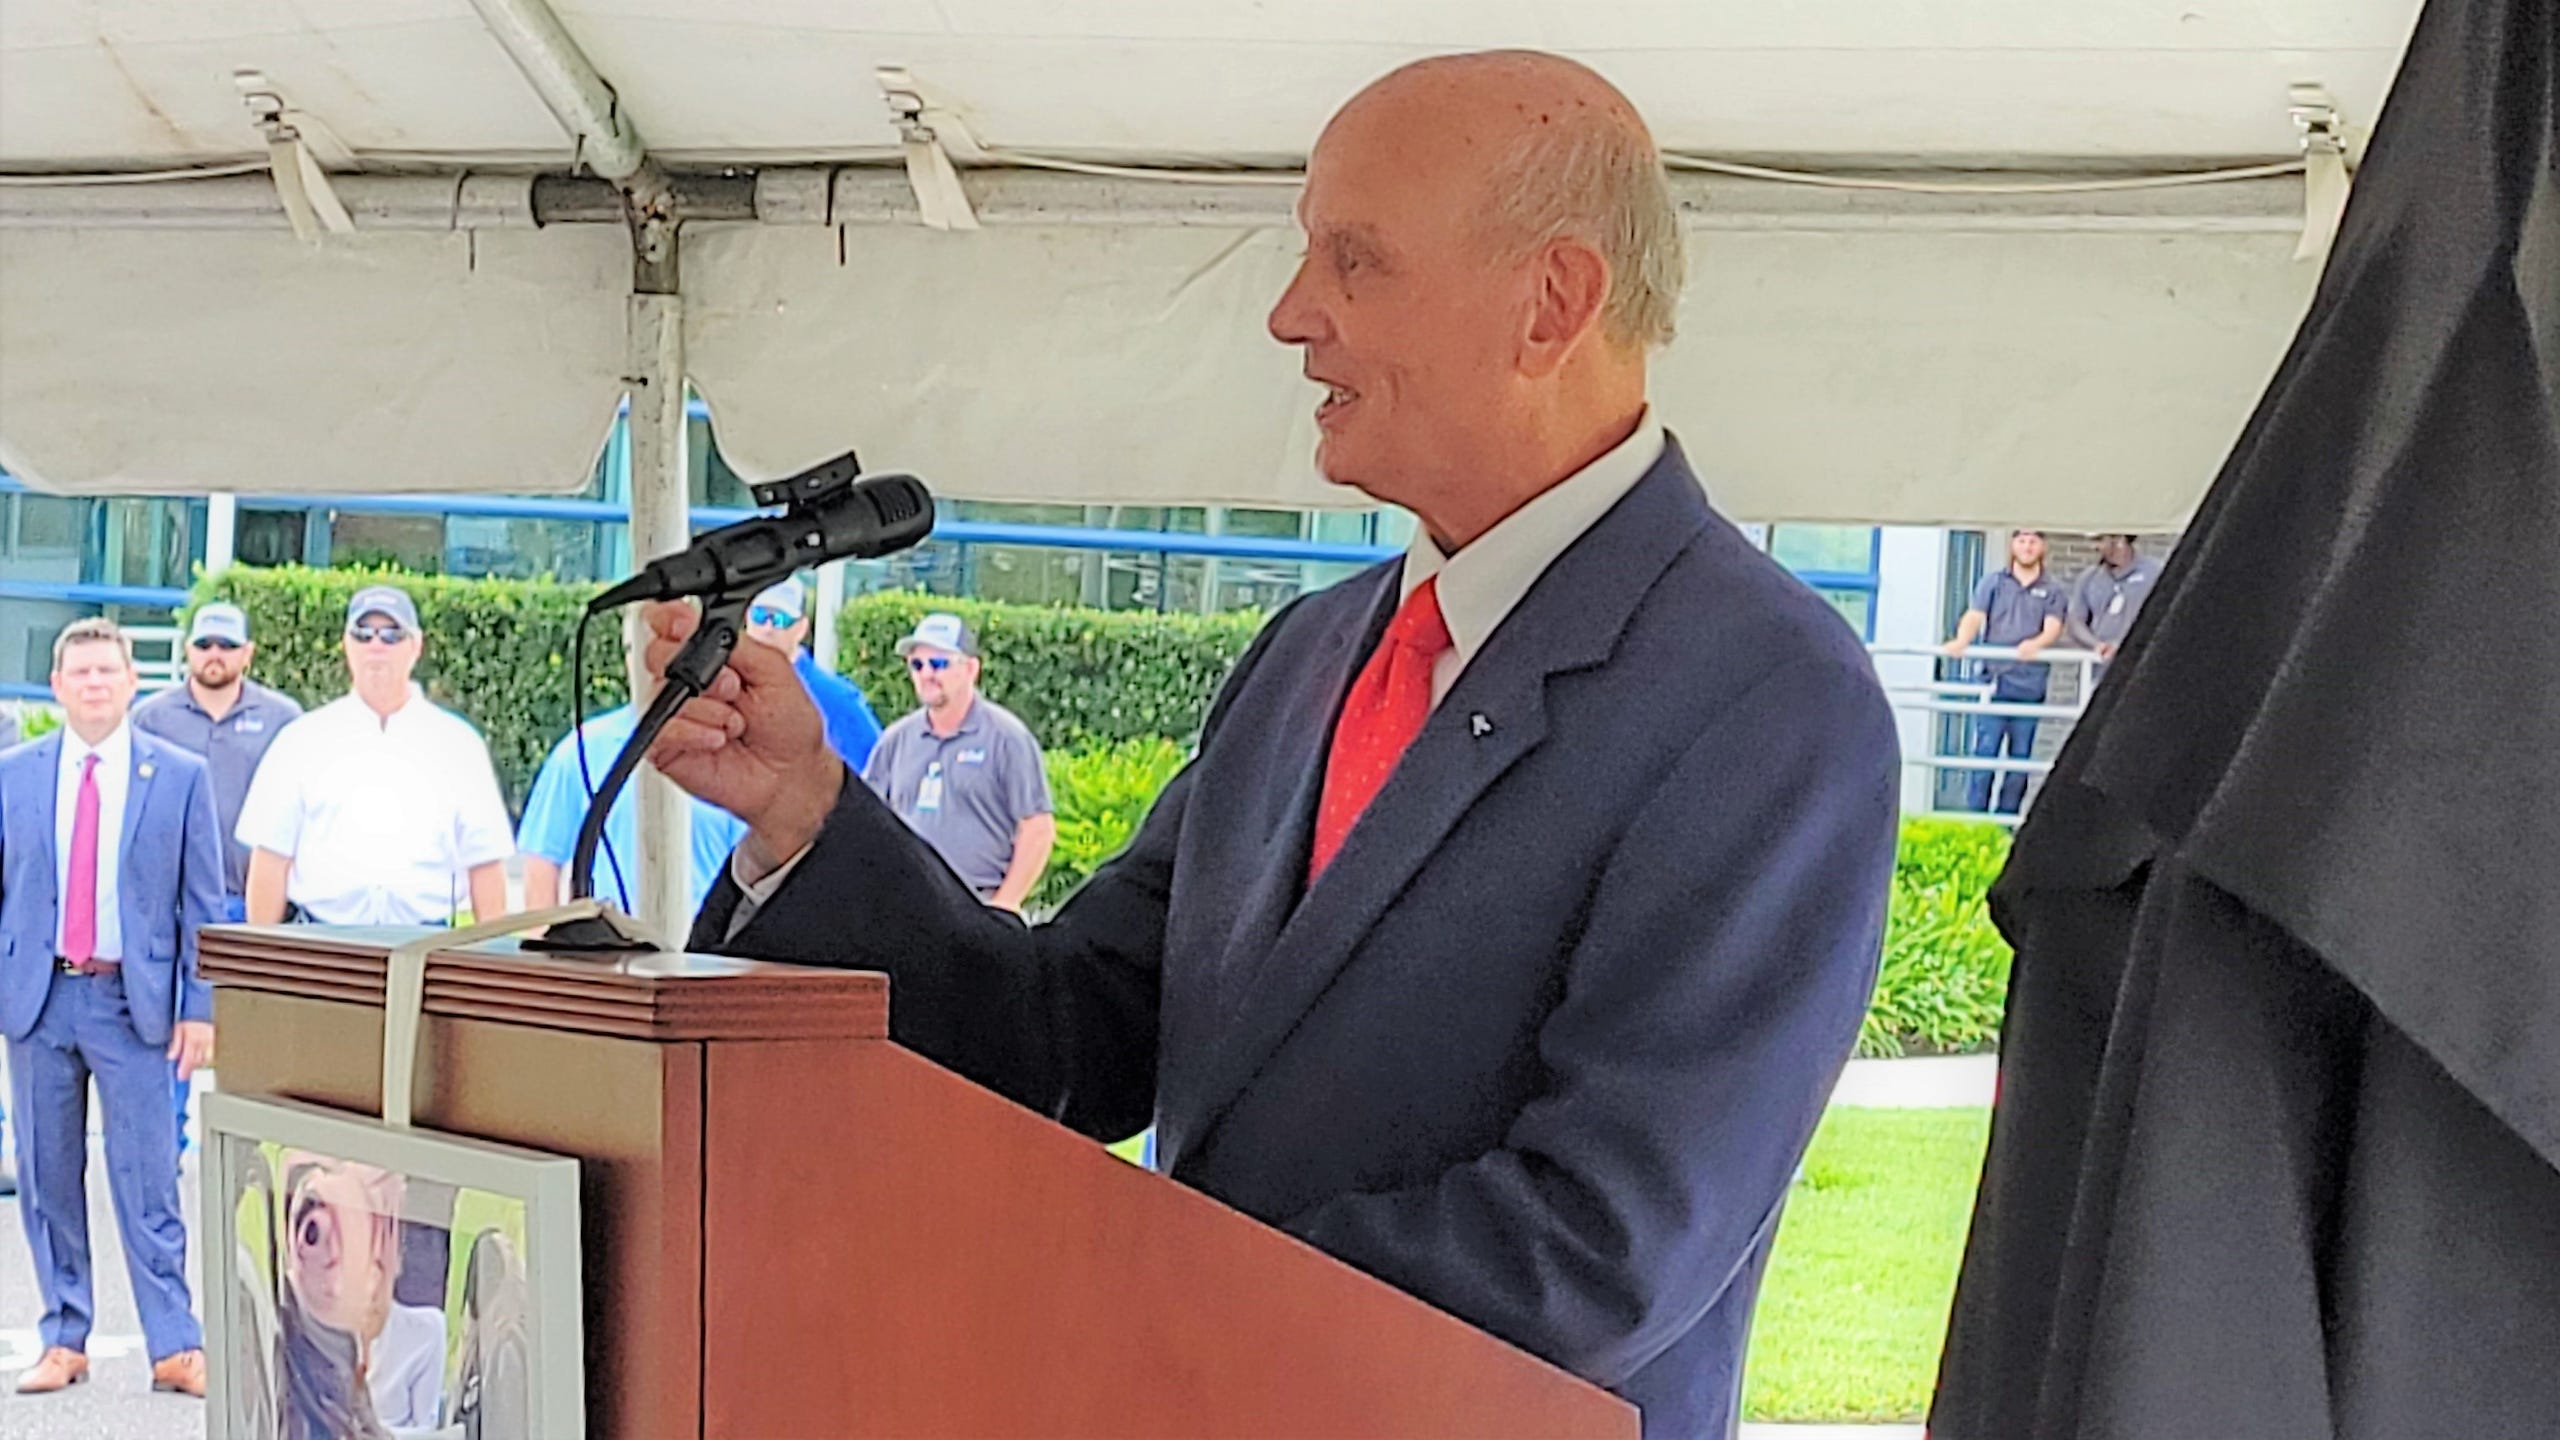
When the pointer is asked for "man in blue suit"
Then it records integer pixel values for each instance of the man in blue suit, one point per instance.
(110, 859)
(1507, 933)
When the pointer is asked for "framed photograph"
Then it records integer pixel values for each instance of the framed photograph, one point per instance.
(369, 1283)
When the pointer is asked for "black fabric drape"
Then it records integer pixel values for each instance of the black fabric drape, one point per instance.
(2277, 1151)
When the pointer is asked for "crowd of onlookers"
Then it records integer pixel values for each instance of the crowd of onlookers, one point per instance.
(2020, 606)
(134, 825)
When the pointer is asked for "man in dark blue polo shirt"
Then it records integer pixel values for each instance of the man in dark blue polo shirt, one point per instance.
(2024, 607)
(230, 720)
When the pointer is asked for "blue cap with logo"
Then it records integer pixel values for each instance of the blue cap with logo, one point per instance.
(941, 632)
(219, 621)
(388, 600)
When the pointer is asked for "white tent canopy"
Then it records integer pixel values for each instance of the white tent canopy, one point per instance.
(2077, 359)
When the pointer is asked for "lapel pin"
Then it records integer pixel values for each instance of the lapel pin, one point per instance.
(1479, 725)
(143, 770)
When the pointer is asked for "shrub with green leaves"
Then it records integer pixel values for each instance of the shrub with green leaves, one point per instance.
(1101, 794)
(1077, 677)
(1946, 970)
(498, 654)
(37, 720)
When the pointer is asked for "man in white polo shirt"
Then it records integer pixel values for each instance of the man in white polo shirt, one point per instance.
(378, 808)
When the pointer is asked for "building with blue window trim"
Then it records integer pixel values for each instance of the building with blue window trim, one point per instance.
(132, 557)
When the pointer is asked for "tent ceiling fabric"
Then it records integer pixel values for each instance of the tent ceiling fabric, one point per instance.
(2066, 374)
(162, 361)
(2077, 380)
(83, 82)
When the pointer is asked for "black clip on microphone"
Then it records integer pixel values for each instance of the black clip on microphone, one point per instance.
(828, 514)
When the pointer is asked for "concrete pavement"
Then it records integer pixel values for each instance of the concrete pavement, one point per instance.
(117, 1402)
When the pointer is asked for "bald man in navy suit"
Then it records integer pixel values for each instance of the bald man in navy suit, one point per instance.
(1507, 933)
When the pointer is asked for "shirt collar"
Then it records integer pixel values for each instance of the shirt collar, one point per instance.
(969, 720)
(114, 753)
(252, 695)
(1481, 583)
(410, 709)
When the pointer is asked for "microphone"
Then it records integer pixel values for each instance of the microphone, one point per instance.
(840, 518)
(829, 513)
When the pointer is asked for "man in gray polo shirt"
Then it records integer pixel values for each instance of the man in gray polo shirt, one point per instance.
(2109, 594)
(2022, 606)
(963, 772)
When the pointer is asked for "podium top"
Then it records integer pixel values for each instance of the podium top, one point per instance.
(644, 996)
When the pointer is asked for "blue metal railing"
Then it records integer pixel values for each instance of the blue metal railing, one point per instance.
(957, 532)
(78, 593)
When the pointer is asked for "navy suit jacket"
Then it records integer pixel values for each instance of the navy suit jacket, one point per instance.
(1544, 1043)
(170, 886)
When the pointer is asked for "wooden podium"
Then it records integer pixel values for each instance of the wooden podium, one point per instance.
(795, 1227)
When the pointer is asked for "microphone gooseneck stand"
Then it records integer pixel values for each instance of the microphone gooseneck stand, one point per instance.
(829, 512)
(688, 675)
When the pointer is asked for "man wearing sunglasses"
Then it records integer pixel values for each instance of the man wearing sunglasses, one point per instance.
(964, 772)
(780, 618)
(378, 808)
(228, 720)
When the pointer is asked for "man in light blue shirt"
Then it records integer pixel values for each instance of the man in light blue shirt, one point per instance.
(552, 813)
(780, 618)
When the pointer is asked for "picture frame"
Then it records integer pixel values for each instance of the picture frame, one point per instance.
(390, 1283)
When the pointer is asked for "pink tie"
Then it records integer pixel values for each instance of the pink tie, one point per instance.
(80, 904)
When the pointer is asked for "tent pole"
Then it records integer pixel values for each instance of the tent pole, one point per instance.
(661, 524)
(221, 531)
(822, 635)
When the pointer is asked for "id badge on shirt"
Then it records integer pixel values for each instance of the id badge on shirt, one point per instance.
(929, 790)
(2116, 606)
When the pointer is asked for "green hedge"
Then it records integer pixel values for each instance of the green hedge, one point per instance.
(497, 651)
(1946, 970)
(1101, 793)
(1077, 677)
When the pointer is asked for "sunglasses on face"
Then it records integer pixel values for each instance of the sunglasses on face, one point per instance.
(376, 634)
(209, 643)
(918, 664)
(767, 615)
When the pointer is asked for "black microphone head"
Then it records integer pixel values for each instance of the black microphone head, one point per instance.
(888, 513)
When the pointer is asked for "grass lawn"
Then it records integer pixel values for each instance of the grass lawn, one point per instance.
(1855, 1306)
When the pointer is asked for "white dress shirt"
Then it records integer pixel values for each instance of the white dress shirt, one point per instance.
(382, 818)
(115, 779)
(1479, 585)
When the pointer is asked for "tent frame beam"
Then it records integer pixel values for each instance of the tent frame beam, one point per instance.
(651, 205)
(873, 196)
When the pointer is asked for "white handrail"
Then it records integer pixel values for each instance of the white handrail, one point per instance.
(1938, 696)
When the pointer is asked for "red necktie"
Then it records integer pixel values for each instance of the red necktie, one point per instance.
(1380, 717)
(80, 888)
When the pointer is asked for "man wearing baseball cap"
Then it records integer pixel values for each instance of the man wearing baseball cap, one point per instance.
(964, 772)
(378, 808)
(780, 618)
(228, 720)
(225, 717)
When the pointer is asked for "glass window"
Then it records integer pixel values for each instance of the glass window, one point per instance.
(48, 524)
(269, 537)
(1833, 549)
(1855, 606)
(410, 542)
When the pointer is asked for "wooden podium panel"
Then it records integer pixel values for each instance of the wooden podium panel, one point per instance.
(793, 1226)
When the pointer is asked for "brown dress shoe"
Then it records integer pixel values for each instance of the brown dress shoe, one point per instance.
(61, 1368)
(182, 1372)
